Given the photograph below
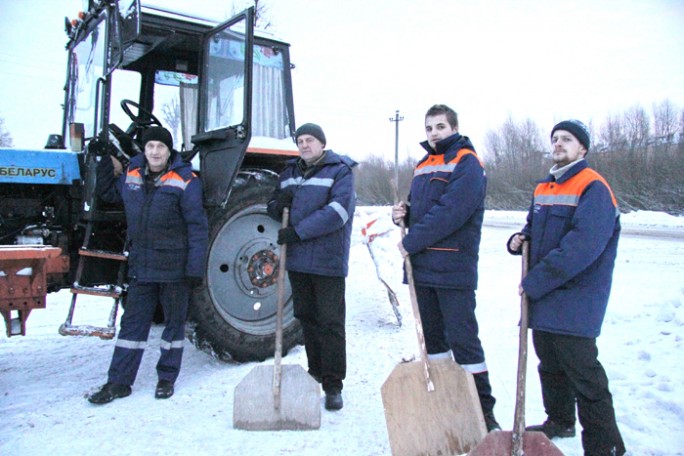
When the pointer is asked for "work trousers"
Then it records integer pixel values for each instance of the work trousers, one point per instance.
(135, 328)
(570, 373)
(449, 323)
(319, 306)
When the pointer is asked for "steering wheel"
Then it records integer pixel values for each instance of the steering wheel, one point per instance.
(143, 120)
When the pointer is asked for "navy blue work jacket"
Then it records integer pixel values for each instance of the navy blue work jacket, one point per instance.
(445, 217)
(167, 224)
(322, 213)
(573, 226)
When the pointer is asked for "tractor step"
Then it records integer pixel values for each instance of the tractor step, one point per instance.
(112, 291)
(102, 332)
(103, 254)
(109, 289)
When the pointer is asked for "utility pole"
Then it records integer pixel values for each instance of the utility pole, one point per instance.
(396, 119)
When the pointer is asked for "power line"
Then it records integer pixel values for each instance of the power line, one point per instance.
(396, 119)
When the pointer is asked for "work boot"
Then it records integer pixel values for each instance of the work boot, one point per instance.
(553, 429)
(164, 389)
(109, 392)
(333, 400)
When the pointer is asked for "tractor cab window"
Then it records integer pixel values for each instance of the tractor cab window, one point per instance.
(225, 79)
(270, 117)
(125, 85)
(175, 105)
(86, 68)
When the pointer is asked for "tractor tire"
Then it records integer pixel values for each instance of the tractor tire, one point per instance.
(235, 309)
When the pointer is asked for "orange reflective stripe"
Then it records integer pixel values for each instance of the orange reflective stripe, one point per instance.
(133, 176)
(463, 152)
(173, 179)
(436, 163)
(568, 193)
(432, 160)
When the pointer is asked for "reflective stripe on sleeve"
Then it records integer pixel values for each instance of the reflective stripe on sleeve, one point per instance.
(342, 212)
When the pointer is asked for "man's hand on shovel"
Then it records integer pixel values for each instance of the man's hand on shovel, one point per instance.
(398, 217)
(399, 212)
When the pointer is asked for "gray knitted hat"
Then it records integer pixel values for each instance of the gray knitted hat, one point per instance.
(578, 130)
(311, 129)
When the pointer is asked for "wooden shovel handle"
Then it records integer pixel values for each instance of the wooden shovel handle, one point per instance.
(277, 368)
(416, 315)
(519, 420)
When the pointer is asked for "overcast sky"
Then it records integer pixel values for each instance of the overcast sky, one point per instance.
(357, 61)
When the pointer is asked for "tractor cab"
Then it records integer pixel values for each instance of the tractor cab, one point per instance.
(224, 94)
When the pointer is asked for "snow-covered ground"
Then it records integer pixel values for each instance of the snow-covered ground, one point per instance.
(44, 377)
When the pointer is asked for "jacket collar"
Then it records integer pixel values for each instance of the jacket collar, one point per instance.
(329, 158)
(572, 170)
(453, 142)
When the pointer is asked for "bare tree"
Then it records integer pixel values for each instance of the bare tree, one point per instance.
(260, 12)
(5, 137)
(514, 160)
(664, 124)
(374, 181)
(637, 126)
(612, 134)
(261, 9)
(172, 116)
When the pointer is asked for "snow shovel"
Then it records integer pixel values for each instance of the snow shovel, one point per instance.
(519, 442)
(279, 398)
(391, 295)
(431, 406)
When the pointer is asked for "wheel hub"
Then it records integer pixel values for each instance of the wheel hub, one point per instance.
(262, 269)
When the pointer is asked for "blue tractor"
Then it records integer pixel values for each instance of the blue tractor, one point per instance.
(226, 95)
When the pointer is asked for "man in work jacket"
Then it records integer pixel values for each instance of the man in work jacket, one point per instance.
(444, 214)
(318, 187)
(573, 228)
(167, 234)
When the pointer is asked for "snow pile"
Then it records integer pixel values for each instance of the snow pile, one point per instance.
(650, 218)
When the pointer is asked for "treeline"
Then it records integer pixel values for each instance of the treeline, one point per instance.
(640, 153)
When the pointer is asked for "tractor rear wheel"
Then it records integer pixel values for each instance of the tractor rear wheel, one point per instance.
(235, 309)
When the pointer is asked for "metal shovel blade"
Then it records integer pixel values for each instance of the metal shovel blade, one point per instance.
(254, 408)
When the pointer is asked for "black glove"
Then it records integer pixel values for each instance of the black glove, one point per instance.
(100, 146)
(287, 236)
(194, 282)
(283, 200)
